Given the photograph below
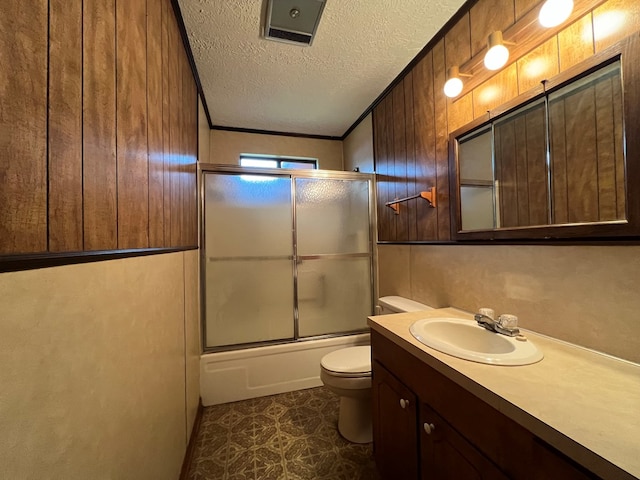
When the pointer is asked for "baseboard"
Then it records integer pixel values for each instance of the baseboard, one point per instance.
(188, 455)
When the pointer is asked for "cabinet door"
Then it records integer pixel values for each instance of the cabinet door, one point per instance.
(395, 434)
(445, 455)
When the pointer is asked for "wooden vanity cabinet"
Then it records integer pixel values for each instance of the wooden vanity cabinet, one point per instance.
(395, 416)
(445, 454)
(465, 437)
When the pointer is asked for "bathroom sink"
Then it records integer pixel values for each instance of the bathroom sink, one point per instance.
(466, 339)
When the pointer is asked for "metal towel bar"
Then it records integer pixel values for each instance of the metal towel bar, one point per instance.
(429, 196)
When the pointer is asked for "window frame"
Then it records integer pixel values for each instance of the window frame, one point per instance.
(279, 159)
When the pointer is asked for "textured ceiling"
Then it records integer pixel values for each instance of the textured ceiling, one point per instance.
(359, 48)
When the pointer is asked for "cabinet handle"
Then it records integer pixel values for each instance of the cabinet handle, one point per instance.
(404, 403)
(429, 428)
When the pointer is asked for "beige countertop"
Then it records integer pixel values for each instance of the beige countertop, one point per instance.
(585, 404)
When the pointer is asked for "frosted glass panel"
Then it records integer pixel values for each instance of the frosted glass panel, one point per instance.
(476, 207)
(334, 295)
(247, 215)
(249, 259)
(248, 301)
(332, 216)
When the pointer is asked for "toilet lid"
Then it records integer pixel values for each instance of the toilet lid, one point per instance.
(401, 304)
(348, 360)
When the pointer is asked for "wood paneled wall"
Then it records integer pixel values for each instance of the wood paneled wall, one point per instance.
(411, 156)
(98, 122)
(417, 112)
(521, 168)
(587, 158)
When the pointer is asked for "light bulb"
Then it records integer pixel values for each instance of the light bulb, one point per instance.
(497, 55)
(453, 87)
(554, 12)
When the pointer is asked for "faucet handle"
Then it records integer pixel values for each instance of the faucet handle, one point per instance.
(507, 320)
(508, 325)
(487, 312)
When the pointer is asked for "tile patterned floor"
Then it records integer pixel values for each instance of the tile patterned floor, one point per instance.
(291, 436)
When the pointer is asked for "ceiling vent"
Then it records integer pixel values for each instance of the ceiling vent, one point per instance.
(293, 21)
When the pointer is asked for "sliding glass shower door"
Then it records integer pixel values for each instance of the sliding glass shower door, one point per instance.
(287, 256)
(333, 255)
(249, 258)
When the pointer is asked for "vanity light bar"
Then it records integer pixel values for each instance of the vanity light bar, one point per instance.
(551, 14)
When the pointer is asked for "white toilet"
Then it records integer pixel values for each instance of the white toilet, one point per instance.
(347, 373)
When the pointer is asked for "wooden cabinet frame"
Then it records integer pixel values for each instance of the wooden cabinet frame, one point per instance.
(628, 51)
(469, 438)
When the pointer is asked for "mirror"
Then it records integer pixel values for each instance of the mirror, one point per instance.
(553, 166)
(558, 160)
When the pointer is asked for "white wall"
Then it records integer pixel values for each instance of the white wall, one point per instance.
(204, 136)
(587, 295)
(226, 148)
(92, 369)
(358, 147)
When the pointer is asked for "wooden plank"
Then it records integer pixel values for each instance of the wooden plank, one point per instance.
(582, 162)
(375, 134)
(499, 176)
(65, 126)
(457, 43)
(380, 167)
(131, 114)
(187, 109)
(425, 146)
(192, 181)
(495, 92)
(400, 161)
(180, 148)
(575, 43)
(391, 217)
(615, 20)
(558, 154)
(538, 65)
(442, 145)
(23, 127)
(99, 126)
(507, 174)
(538, 186)
(523, 6)
(488, 16)
(522, 172)
(605, 138)
(175, 102)
(621, 194)
(412, 206)
(459, 111)
(155, 123)
(166, 123)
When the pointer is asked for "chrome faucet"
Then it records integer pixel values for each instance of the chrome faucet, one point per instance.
(506, 324)
(485, 321)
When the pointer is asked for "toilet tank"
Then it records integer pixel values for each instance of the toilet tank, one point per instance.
(395, 304)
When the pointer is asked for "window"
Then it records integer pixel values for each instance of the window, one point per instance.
(273, 161)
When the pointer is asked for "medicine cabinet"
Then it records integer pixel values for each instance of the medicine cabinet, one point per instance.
(562, 161)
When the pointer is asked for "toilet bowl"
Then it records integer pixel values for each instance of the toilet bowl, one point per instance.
(347, 373)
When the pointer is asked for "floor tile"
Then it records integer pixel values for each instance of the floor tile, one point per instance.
(291, 436)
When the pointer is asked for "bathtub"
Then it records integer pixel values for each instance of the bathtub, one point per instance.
(257, 372)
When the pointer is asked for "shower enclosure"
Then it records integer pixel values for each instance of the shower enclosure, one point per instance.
(287, 255)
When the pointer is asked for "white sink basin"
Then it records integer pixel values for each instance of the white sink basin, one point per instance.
(466, 339)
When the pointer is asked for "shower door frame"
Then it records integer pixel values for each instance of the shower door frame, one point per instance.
(204, 168)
